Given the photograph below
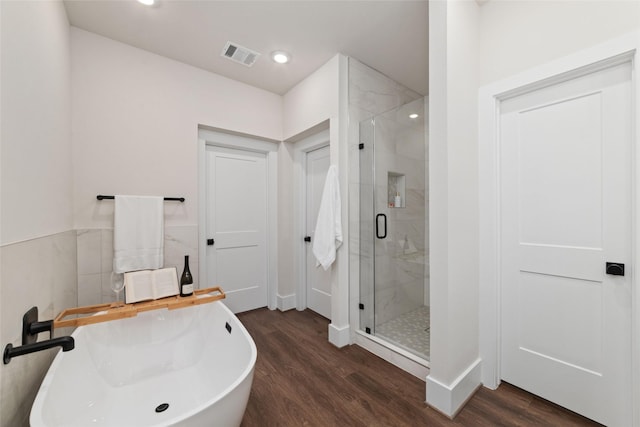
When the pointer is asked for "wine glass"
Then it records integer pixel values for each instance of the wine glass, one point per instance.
(117, 284)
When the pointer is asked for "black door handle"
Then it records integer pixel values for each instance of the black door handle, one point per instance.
(307, 238)
(210, 242)
(378, 235)
(615, 268)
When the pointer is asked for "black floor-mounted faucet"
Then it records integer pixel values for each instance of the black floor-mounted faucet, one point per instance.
(30, 330)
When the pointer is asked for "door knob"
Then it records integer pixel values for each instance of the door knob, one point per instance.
(307, 238)
(615, 269)
(210, 242)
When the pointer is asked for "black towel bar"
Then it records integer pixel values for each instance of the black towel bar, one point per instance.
(171, 199)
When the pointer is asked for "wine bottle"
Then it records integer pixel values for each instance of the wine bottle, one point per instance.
(186, 281)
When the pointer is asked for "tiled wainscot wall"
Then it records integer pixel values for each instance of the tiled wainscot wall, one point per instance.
(38, 272)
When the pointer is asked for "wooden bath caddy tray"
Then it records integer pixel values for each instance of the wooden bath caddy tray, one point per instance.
(105, 312)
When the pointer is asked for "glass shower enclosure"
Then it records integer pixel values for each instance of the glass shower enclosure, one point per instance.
(394, 304)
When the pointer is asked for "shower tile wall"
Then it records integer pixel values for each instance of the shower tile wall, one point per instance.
(370, 93)
(95, 260)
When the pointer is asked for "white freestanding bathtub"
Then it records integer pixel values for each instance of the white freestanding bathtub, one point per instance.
(188, 367)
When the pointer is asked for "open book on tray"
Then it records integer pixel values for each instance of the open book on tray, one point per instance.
(147, 285)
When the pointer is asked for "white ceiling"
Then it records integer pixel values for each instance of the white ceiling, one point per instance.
(390, 36)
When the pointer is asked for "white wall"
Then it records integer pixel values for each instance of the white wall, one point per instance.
(453, 204)
(287, 279)
(36, 145)
(135, 118)
(38, 247)
(135, 125)
(320, 97)
(516, 35)
(311, 102)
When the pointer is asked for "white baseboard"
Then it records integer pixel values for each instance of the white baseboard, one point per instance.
(284, 303)
(339, 336)
(449, 399)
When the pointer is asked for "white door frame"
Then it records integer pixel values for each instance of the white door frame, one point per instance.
(269, 148)
(313, 142)
(620, 50)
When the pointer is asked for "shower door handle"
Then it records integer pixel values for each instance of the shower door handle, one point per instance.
(384, 217)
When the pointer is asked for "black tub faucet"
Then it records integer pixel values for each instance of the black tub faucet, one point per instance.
(31, 327)
(67, 343)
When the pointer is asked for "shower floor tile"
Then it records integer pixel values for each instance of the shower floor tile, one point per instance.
(410, 331)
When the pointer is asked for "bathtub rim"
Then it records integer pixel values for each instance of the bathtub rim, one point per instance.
(36, 416)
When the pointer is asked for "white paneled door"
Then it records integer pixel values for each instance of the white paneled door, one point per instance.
(236, 226)
(566, 212)
(318, 280)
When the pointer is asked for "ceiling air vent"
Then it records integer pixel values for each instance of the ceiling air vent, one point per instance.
(240, 54)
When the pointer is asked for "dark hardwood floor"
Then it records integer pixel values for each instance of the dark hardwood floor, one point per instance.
(302, 380)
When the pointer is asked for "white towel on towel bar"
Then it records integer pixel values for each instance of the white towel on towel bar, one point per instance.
(328, 234)
(138, 233)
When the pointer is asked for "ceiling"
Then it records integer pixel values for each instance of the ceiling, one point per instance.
(390, 36)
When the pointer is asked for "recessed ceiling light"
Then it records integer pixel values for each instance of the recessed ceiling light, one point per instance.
(147, 2)
(413, 116)
(280, 57)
